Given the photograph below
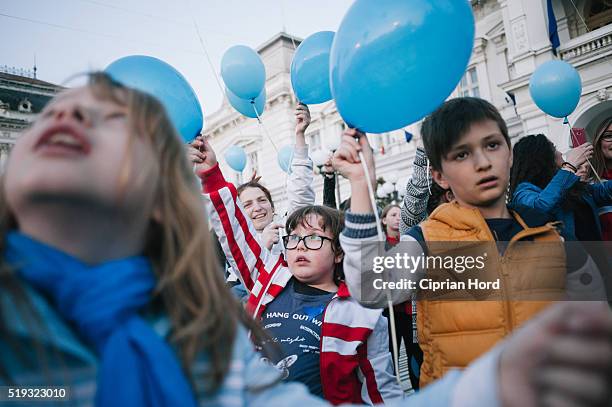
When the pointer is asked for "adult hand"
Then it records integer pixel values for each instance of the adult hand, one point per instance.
(578, 156)
(563, 357)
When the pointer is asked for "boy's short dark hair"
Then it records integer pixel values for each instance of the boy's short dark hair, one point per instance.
(442, 129)
(331, 220)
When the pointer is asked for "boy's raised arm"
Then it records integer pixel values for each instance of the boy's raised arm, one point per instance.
(359, 238)
(300, 192)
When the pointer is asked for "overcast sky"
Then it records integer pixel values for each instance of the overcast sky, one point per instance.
(73, 36)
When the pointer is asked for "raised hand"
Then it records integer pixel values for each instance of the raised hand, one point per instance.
(302, 119)
(346, 158)
(200, 153)
(578, 156)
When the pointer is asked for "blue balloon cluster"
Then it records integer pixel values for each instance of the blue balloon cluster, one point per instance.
(243, 72)
(244, 75)
(161, 80)
(236, 158)
(310, 68)
(392, 62)
(555, 87)
(247, 107)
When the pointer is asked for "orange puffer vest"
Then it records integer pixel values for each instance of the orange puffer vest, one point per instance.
(454, 333)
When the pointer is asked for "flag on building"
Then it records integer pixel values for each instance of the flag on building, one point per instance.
(408, 136)
(553, 34)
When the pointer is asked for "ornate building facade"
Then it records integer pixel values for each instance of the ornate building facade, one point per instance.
(22, 97)
(511, 41)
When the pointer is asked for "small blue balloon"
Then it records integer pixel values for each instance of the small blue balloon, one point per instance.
(236, 158)
(392, 62)
(246, 107)
(555, 87)
(165, 83)
(310, 68)
(243, 72)
(285, 155)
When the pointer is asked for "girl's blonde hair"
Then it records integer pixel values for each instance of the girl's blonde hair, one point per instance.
(191, 289)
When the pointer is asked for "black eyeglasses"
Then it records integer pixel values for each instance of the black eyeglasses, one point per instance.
(312, 242)
(607, 136)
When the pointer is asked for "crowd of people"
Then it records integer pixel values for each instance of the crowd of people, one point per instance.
(127, 282)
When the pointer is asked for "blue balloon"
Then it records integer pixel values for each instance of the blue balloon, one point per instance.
(243, 72)
(393, 62)
(162, 81)
(285, 155)
(555, 87)
(310, 68)
(236, 158)
(245, 106)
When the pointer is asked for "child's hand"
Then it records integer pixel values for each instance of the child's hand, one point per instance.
(346, 159)
(302, 117)
(269, 235)
(201, 154)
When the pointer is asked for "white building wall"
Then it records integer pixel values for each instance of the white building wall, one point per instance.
(511, 41)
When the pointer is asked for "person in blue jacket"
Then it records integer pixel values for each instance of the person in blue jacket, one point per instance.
(542, 179)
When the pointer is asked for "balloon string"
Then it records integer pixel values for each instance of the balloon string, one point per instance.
(575, 142)
(212, 67)
(261, 125)
(381, 238)
(337, 182)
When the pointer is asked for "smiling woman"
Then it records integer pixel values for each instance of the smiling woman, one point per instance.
(257, 202)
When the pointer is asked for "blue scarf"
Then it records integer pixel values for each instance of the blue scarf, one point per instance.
(137, 367)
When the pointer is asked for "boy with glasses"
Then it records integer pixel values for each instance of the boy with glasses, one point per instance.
(329, 342)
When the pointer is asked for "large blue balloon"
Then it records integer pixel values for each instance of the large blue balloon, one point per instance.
(236, 158)
(310, 68)
(162, 81)
(555, 87)
(243, 72)
(394, 61)
(245, 106)
(285, 155)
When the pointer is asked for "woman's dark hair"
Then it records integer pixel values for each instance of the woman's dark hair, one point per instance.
(254, 183)
(534, 162)
(329, 219)
(436, 197)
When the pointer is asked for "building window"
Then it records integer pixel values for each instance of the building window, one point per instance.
(469, 84)
(254, 162)
(314, 140)
(341, 126)
(598, 14)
